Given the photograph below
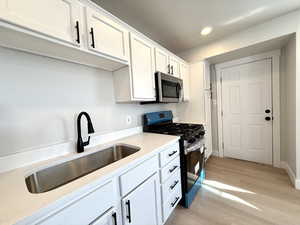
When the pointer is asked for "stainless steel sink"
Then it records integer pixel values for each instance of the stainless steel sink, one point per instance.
(58, 175)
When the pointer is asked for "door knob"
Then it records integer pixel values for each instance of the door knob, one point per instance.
(267, 118)
(267, 111)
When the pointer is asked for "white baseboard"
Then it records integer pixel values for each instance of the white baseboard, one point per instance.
(290, 172)
(215, 153)
(35, 155)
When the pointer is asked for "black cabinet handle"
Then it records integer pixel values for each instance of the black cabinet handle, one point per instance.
(78, 32)
(175, 201)
(172, 170)
(114, 215)
(174, 185)
(93, 38)
(129, 211)
(169, 70)
(173, 153)
(172, 70)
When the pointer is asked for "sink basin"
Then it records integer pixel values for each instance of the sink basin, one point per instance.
(52, 177)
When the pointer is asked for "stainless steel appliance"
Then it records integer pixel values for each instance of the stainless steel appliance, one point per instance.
(168, 88)
(192, 150)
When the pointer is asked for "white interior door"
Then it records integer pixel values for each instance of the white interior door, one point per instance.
(246, 95)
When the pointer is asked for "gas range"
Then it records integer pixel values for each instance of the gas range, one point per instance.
(187, 131)
(192, 149)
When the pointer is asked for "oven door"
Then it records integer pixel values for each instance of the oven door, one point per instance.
(195, 163)
(169, 88)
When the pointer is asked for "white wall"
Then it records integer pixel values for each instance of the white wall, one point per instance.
(288, 104)
(40, 98)
(274, 28)
(298, 103)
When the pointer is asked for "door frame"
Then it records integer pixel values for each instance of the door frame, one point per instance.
(275, 58)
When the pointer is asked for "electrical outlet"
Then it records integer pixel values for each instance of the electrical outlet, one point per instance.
(128, 120)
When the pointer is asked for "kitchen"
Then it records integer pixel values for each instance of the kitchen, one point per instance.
(87, 59)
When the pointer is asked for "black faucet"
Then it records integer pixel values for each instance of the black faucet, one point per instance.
(80, 143)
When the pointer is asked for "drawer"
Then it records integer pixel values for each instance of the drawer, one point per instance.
(134, 177)
(171, 203)
(86, 209)
(169, 169)
(171, 185)
(169, 154)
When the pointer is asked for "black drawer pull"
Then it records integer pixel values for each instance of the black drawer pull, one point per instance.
(129, 212)
(172, 153)
(114, 215)
(174, 185)
(175, 201)
(172, 170)
(93, 37)
(78, 32)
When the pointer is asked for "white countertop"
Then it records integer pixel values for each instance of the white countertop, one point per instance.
(18, 203)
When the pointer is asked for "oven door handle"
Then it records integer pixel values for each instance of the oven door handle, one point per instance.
(195, 148)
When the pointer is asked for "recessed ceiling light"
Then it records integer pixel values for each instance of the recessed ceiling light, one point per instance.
(206, 30)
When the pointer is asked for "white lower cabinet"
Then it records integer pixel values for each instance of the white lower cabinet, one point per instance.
(109, 218)
(141, 206)
(86, 209)
(170, 179)
(143, 194)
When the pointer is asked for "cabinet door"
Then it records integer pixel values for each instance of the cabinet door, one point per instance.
(142, 69)
(109, 218)
(106, 36)
(185, 76)
(141, 206)
(175, 67)
(161, 61)
(55, 18)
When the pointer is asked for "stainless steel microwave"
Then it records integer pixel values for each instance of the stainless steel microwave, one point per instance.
(168, 88)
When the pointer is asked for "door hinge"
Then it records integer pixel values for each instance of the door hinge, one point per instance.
(221, 80)
(223, 145)
(222, 113)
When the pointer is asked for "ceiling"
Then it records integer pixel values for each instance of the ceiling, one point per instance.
(177, 24)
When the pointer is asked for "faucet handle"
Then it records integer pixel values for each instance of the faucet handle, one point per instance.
(87, 142)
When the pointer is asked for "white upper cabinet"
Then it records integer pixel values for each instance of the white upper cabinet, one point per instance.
(106, 36)
(174, 67)
(142, 68)
(59, 19)
(185, 76)
(166, 63)
(161, 61)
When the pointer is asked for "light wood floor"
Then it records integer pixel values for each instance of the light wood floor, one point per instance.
(242, 193)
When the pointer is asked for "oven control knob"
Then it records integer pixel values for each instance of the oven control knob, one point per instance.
(192, 140)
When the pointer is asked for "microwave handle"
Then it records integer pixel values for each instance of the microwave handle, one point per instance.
(179, 92)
